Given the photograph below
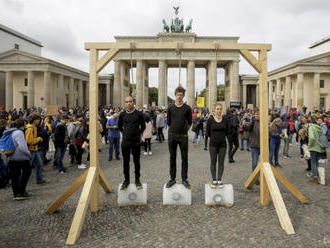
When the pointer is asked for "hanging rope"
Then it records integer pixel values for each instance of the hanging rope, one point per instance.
(131, 53)
(179, 52)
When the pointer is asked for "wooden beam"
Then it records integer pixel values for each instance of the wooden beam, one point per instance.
(253, 177)
(281, 210)
(104, 182)
(95, 197)
(263, 106)
(251, 59)
(173, 46)
(289, 186)
(106, 58)
(264, 191)
(80, 213)
(67, 193)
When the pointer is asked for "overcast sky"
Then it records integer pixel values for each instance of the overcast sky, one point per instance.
(62, 26)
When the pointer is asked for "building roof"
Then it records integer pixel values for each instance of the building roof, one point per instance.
(320, 42)
(19, 35)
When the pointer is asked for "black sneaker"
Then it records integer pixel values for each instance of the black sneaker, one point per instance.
(170, 183)
(231, 161)
(205, 148)
(19, 198)
(124, 185)
(186, 184)
(42, 182)
(26, 194)
(109, 159)
(138, 184)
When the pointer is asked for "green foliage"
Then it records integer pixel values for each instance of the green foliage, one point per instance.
(220, 93)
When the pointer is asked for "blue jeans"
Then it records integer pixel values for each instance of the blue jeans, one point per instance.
(60, 156)
(255, 152)
(114, 141)
(247, 144)
(274, 149)
(37, 162)
(315, 163)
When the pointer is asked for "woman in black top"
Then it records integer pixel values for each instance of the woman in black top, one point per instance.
(217, 129)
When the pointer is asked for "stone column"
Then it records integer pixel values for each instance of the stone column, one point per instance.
(191, 83)
(316, 91)
(244, 95)
(234, 82)
(60, 90)
(9, 90)
(257, 94)
(107, 94)
(87, 93)
(294, 94)
(166, 86)
(124, 80)
(30, 90)
(270, 94)
(161, 83)
(287, 92)
(117, 101)
(206, 102)
(300, 93)
(71, 93)
(278, 93)
(46, 92)
(146, 84)
(212, 83)
(139, 83)
(80, 93)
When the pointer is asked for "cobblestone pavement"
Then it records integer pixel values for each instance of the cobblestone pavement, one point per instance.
(246, 224)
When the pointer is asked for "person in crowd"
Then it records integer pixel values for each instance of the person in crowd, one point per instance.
(197, 128)
(113, 136)
(146, 136)
(43, 146)
(323, 125)
(71, 127)
(217, 128)
(179, 120)
(32, 140)
(80, 137)
(52, 136)
(303, 136)
(205, 117)
(254, 128)
(61, 141)
(275, 133)
(244, 132)
(232, 135)
(19, 162)
(314, 133)
(160, 123)
(131, 123)
(285, 135)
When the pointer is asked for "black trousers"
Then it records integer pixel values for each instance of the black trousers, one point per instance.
(20, 172)
(160, 134)
(217, 154)
(79, 154)
(126, 148)
(232, 146)
(206, 140)
(147, 145)
(173, 142)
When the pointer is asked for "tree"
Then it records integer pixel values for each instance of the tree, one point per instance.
(220, 93)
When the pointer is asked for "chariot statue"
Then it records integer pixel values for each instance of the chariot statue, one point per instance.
(177, 25)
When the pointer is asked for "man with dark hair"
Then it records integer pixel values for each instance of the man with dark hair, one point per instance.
(131, 124)
(32, 140)
(61, 141)
(179, 119)
(232, 136)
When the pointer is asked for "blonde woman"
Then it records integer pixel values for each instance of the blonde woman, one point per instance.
(217, 129)
(275, 132)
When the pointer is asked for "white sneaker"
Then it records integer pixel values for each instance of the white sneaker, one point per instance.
(150, 153)
(145, 153)
(82, 166)
(220, 184)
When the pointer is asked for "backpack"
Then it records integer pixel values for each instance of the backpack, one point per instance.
(4, 177)
(7, 146)
(323, 140)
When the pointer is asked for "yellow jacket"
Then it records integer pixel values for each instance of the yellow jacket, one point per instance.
(31, 137)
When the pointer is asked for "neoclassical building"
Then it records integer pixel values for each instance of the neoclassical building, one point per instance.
(27, 79)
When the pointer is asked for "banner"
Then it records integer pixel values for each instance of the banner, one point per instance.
(52, 110)
(200, 102)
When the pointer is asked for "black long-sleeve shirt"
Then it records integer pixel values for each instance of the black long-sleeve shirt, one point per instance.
(131, 125)
(179, 119)
(217, 131)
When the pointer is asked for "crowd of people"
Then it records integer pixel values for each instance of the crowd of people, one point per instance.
(30, 139)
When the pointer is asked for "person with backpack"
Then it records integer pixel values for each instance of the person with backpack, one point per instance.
(4, 176)
(232, 135)
(324, 143)
(32, 140)
(61, 141)
(275, 134)
(19, 161)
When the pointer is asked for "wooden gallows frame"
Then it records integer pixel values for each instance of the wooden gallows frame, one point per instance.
(94, 176)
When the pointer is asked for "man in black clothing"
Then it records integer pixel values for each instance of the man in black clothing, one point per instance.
(179, 119)
(232, 136)
(131, 124)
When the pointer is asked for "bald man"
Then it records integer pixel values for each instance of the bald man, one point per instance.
(131, 123)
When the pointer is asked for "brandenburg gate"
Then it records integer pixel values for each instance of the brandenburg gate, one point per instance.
(180, 58)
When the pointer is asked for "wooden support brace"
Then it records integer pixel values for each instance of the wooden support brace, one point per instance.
(95, 199)
(253, 177)
(264, 191)
(104, 182)
(289, 186)
(82, 206)
(67, 193)
(251, 59)
(281, 210)
(101, 63)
